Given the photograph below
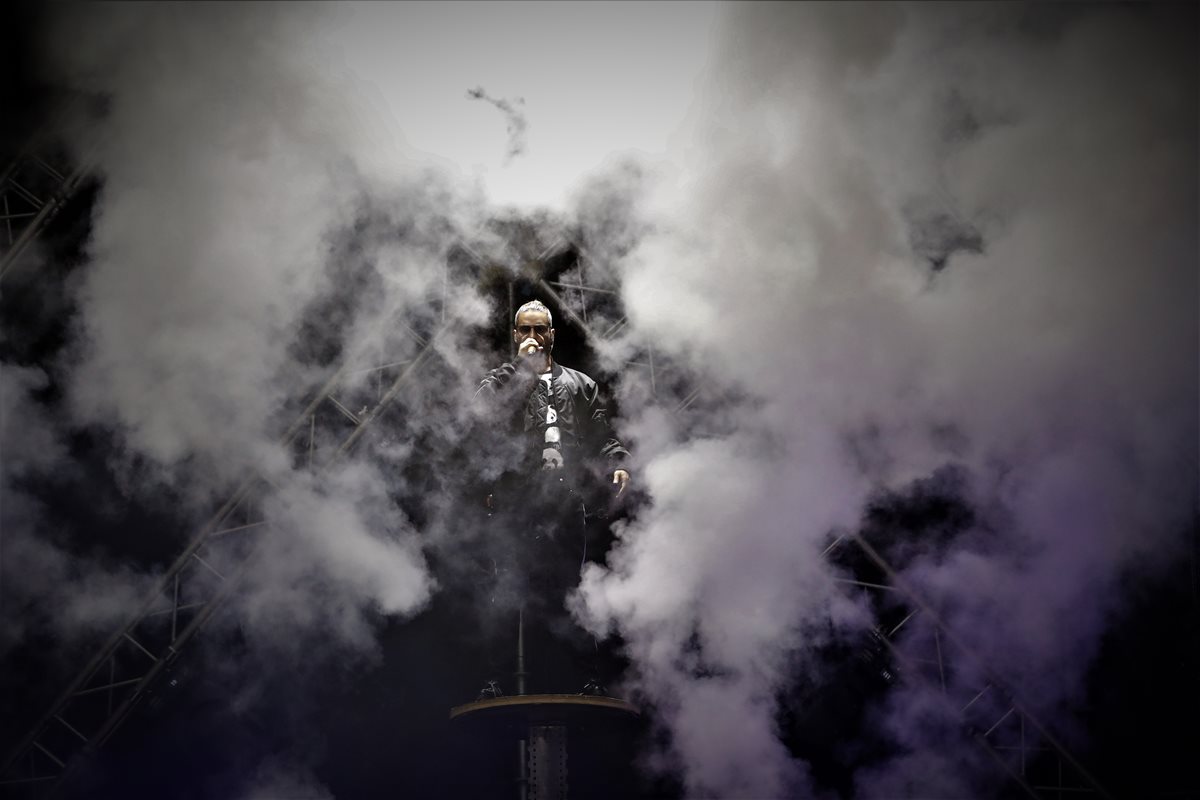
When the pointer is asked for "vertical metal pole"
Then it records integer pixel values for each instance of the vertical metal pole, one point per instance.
(312, 437)
(582, 296)
(937, 642)
(548, 762)
(521, 650)
(522, 770)
(512, 312)
(1022, 745)
(175, 609)
(653, 383)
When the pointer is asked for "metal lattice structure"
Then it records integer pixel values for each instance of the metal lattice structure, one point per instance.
(1023, 748)
(589, 295)
(143, 651)
(193, 589)
(925, 651)
(33, 189)
(189, 593)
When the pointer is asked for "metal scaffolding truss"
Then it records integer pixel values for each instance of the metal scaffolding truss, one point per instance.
(141, 653)
(124, 670)
(589, 295)
(925, 652)
(922, 648)
(193, 588)
(33, 188)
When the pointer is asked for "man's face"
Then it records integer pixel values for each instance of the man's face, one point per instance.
(535, 325)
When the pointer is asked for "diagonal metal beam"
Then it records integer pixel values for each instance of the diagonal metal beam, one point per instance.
(46, 212)
(943, 632)
(168, 585)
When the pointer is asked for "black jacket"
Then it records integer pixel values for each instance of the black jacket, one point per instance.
(518, 400)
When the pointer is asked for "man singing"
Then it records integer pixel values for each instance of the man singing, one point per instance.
(552, 447)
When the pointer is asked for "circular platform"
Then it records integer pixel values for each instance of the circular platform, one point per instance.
(538, 708)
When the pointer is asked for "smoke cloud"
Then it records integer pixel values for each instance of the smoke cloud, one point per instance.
(47, 589)
(275, 780)
(514, 120)
(906, 238)
(258, 225)
(899, 243)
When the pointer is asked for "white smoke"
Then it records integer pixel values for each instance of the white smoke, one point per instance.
(47, 588)
(224, 162)
(277, 780)
(891, 223)
(899, 238)
(259, 221)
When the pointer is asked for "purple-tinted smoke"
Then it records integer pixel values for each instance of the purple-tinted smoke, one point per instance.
(898, 239)
(961, 236)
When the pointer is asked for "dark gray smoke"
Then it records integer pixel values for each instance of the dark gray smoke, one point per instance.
(224, 180)
(46, 588)
(900, 238)
(514, 120)
(257, 226)
(909, 237)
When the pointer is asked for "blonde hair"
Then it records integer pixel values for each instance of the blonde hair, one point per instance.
(534, 305)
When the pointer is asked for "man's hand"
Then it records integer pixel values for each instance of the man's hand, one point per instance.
(529, 350)
(621, 477)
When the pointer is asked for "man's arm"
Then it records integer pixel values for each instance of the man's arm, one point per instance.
(517, 375)
(495, 379)
(499, 402)
(506, 385)
(608, 446)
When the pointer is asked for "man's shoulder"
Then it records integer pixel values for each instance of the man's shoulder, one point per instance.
(495, 379)
(504, 370)
(574, 375)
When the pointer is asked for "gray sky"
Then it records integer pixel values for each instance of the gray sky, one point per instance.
(596, 78)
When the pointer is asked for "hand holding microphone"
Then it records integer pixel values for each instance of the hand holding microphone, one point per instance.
(528, 350)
